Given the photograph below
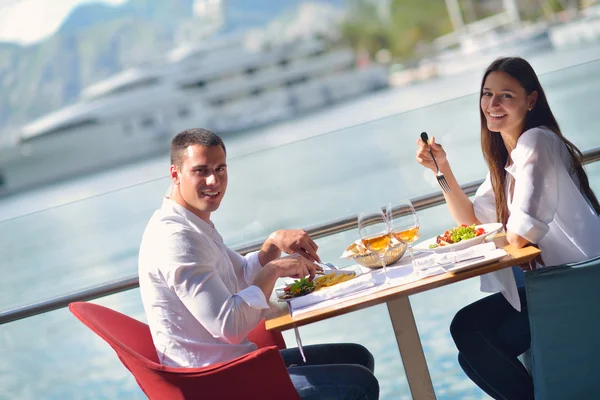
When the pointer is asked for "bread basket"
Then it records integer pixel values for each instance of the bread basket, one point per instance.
(372, 260)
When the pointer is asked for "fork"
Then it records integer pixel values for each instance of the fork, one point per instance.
(439, 176)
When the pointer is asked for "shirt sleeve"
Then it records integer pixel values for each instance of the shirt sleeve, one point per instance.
(535, 198)
(484, 202)
(246, 267)
(188, 268)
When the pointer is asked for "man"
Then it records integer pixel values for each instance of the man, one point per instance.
(202, 299)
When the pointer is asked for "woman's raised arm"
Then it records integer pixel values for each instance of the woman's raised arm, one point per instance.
(459, 204)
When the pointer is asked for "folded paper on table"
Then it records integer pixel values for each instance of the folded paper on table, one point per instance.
(427, 260)
(294, 311)
(475, 261)
(471, 252)
(354, 285)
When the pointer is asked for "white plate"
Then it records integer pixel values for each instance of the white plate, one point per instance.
(488, 228)
(280, 292)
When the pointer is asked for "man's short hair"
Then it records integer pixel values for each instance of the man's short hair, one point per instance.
(190, 137)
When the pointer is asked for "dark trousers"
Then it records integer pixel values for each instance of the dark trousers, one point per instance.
(336, 371)
(490, 334)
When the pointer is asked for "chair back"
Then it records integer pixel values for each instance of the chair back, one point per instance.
(261, 337)
(261, 374)
(563, 304)
(117, 329)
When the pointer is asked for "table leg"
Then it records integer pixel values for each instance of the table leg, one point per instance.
(411, 350)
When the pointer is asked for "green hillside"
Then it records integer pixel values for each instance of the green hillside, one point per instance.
(38, 79)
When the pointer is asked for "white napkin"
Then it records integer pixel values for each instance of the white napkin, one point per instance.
(428, 260)
(470, 252)
(353, 285)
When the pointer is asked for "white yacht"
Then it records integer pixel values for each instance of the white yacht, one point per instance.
(224, 84)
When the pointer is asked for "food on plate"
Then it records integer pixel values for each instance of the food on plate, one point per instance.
(457, 234)
(299, 287)
(304, 286)
(332, 278)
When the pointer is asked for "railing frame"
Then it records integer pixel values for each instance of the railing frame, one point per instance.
(319, 231)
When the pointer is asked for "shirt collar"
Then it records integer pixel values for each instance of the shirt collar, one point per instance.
(511, 169)
(518, 153)
(170, 206)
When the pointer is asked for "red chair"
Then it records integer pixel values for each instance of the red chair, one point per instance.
(259, 375)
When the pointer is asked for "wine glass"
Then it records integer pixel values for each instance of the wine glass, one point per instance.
(375, 233)
(404, 225)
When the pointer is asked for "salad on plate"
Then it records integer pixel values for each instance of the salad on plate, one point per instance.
(457, 234)
(304, 286)
(458, 238)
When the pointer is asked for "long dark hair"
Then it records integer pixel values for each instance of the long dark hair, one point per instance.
(492, 145)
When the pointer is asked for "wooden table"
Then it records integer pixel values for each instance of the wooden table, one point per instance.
(401, 315)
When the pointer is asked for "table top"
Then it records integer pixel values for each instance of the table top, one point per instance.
(279, 317)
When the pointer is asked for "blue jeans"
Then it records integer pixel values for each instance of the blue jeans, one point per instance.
(490, 334)
(341, 371)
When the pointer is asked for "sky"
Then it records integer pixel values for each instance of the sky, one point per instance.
(29, 21)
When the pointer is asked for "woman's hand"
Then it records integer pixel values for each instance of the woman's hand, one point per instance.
(424, 157)
(531, 265)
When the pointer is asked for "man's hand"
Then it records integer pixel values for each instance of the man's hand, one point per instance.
(296, 267)
(292, 241)
(293, 266)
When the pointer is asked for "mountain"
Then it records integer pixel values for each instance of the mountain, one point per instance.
(37, 79)
(242, 14)
(162, 12)
(97, 40)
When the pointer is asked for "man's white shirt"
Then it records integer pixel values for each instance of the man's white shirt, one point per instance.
(197, 293)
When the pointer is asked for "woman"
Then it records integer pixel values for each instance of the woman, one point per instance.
(537, 188)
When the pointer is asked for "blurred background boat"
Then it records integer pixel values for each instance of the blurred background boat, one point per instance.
(228, 84)
(222, 85)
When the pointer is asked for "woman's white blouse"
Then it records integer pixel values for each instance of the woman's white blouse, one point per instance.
(547, 207)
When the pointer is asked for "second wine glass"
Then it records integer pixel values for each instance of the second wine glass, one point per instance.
(404, 225)
(375, 233)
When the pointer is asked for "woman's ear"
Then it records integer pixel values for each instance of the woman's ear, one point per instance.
(532, 100)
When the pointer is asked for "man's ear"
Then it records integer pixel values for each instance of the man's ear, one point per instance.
(174, 172)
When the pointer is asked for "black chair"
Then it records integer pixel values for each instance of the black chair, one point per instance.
(564, 316)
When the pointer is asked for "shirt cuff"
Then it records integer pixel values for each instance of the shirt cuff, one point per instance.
(254, 297)
(253, 267)
(526, 226)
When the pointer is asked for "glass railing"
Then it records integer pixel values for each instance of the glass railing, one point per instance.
(305, 183)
